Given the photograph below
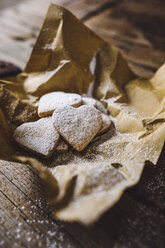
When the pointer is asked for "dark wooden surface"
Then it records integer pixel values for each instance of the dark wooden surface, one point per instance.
(138, 219)
(8, 69)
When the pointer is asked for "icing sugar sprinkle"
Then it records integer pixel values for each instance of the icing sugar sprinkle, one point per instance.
(49, 102)
(40, 136)
(78, 126)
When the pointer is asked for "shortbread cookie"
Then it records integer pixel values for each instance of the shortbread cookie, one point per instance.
(39, 137)
(78, 126)
(49, 102)
(105, 125)
(62, 146)
(89, 101)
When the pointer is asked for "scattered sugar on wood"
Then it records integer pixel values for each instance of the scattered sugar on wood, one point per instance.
(42, 231)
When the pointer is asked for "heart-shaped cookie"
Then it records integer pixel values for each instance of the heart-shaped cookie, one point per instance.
(105, 125)
(49, 102)
(39, 137)
(78, 126)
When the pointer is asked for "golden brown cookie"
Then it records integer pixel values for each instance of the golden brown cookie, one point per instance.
(39, 137)
(78, 126)
(105, 125)
(49, 102)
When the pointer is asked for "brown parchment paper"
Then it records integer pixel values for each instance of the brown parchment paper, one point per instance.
(69, 57)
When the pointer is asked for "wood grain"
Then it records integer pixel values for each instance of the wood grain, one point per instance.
(136, 28)
(137, 220)
(8, 69)
(26, 221)
(19, 26)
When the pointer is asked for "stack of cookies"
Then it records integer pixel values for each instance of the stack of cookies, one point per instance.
(65, 119)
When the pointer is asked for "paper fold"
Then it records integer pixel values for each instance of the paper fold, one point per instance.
(69, 57)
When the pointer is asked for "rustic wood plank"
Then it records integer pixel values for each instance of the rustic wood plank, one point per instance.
(6, 3)
(136, 29)
(19, 26)
(28, 219)
(25, 215)
(8, 69)
(138, 218)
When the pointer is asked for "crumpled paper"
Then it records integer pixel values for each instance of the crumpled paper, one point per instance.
(67, 56)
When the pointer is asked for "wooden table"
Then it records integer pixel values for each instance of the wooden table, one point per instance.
(136, 27)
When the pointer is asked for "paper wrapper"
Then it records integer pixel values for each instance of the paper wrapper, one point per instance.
(69, 57)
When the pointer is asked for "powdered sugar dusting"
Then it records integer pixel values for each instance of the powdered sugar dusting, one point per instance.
(34, 226)
(49, 102)
(99, 150)
(62, 146)
(78, 126)
(40, 136)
